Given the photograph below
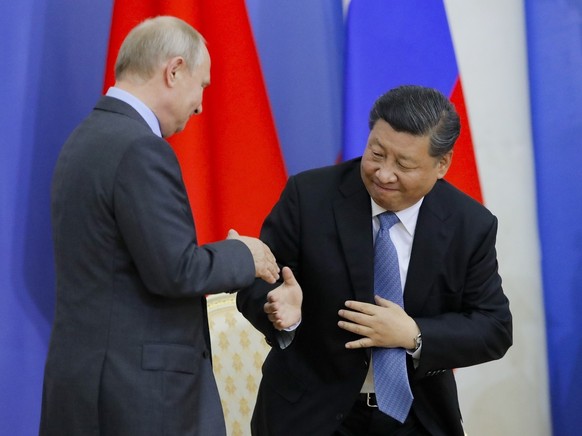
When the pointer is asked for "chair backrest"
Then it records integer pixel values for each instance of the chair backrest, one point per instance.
(238, 352)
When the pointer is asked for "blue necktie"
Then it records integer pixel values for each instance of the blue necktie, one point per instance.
(390, 376)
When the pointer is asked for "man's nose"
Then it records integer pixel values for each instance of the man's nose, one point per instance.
(386, 174)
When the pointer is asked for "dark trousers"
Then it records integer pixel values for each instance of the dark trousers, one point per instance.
(364, 420)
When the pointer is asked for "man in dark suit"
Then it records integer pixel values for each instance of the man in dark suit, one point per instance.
(130, 349)
(326, 322)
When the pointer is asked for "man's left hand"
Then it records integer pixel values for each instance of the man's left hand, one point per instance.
(384, 324)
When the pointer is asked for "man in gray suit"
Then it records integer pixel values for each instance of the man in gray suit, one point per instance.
(130, 349)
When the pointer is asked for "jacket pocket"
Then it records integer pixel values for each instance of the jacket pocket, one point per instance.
(171, 357)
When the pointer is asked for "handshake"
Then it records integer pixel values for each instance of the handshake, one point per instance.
(283, 306)
(266, 266)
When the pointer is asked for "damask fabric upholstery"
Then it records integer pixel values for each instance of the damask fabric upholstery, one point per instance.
(238, 351)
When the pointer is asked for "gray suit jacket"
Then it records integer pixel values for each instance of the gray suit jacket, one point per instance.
(322, 228)
(130, 351)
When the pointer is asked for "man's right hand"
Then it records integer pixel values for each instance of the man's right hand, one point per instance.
(283, 306)
(265, 264)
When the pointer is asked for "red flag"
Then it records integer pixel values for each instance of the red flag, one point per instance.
(230, 155)
(463, 172)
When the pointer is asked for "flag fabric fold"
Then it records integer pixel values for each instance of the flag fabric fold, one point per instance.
(402, 42)
(554, 39)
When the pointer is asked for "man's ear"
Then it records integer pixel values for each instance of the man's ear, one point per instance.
(444, 163)
(172, 69)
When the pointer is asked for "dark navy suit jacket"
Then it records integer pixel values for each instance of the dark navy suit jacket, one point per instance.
(322, 228)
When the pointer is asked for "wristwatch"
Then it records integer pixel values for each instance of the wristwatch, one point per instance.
(417, 341)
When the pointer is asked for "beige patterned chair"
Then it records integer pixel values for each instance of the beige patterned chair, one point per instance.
(238, 351)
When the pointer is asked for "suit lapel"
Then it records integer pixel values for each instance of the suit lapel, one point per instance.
(353, 217)
(431, 239)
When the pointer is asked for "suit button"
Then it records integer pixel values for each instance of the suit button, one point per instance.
(339, 417)
(205, 354)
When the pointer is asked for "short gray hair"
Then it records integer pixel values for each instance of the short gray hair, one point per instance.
(156, 40)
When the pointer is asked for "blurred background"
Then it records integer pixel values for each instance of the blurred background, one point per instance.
(292, 83)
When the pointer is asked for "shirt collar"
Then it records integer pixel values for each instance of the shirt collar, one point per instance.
(407, 217)
(146, 113)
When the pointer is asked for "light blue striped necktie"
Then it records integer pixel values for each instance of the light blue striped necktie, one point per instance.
(390, 376)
